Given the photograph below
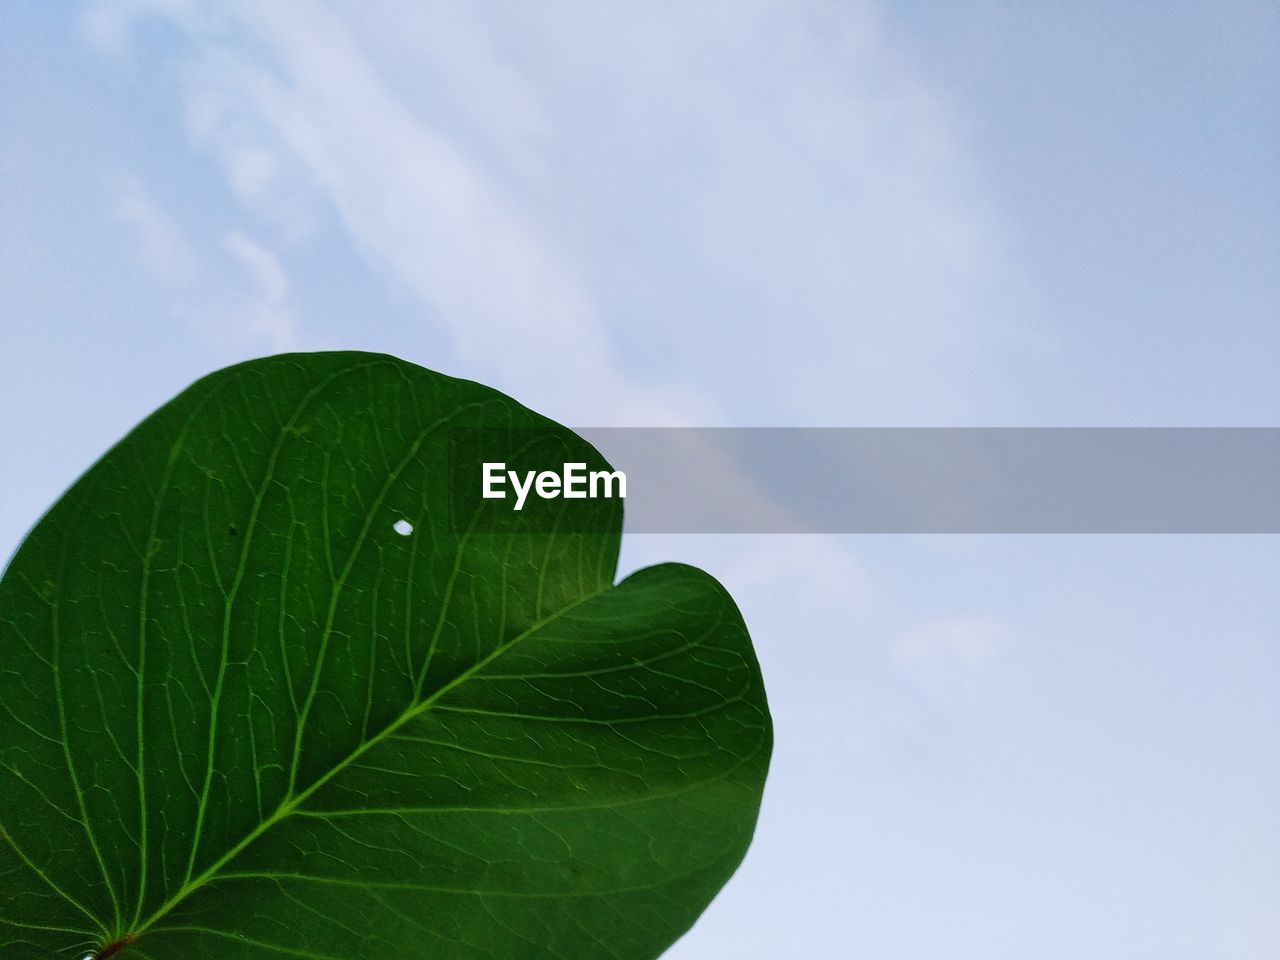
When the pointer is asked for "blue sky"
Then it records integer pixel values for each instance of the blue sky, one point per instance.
(744, 214)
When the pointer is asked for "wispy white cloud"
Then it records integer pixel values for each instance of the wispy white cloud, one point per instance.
(107, 26)
(268, 180)
(941, 650)
(412, 201)
(253, 309)
(656, 222)
(270, 312)
(162, 248)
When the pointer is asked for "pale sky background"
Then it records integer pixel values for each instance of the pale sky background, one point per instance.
(748, 213)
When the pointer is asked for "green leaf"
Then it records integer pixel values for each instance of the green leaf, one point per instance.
(246, 713)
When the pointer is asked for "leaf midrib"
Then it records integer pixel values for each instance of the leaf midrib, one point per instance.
(292, 804)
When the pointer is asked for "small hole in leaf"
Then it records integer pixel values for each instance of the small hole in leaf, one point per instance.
(402, 527)
(233, 531)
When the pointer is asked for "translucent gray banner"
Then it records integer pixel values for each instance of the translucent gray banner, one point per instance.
(947, 480)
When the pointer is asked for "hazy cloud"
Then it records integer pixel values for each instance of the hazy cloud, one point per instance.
(270, 313)
(683, 200)
(162, 248)
(943, 649)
